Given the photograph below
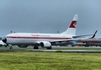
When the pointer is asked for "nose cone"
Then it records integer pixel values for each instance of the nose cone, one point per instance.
(4, 40)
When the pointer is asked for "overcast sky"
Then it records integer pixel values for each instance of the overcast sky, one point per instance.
(49, 16)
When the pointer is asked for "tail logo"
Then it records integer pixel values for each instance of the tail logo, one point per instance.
(73, 24)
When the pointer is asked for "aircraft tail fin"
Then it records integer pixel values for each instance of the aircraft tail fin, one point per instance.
(71, 30)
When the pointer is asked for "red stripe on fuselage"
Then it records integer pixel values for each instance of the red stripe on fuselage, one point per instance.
(36, 37)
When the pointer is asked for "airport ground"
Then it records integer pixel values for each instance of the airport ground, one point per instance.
(49, 60)
(58, 48)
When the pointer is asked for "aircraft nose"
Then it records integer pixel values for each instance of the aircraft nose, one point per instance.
(4, 40)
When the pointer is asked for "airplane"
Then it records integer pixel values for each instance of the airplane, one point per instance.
(42, 39)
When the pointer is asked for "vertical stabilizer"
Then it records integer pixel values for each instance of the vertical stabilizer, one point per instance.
(71, 30)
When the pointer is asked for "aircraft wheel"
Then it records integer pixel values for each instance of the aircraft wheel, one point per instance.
(10, 47)
(36, 46)
(49, 47)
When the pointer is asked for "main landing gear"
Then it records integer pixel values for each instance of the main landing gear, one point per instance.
(49, 47)
(10, 46)
(36, 46)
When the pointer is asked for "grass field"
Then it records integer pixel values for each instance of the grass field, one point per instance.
(49, 61)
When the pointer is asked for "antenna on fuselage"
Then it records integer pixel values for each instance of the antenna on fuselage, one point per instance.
(57, 31)
(12, 32)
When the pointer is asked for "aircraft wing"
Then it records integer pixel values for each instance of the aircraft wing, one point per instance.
(76, 38)
(93, 35)
(79, 36)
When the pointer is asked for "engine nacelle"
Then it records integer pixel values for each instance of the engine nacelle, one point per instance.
(74, 42)
(45, 44)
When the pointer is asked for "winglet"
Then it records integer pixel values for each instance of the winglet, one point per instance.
(94, 34)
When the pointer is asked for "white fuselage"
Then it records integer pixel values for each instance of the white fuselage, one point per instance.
(32, 38)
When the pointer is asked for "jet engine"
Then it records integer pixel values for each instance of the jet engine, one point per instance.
(45, 44)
